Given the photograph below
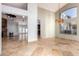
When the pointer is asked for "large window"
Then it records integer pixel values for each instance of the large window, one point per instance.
(69, 13)
(68, 27)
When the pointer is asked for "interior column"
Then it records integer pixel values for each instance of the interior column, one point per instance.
(32, 22)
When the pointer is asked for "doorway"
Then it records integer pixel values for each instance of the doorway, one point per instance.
(39, 29)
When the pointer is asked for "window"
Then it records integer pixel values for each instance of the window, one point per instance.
(69, 13)
(69, 27)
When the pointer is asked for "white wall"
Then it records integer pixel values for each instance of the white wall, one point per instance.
(0, 30)
(32, 22)
(47, 20)
(50, 25)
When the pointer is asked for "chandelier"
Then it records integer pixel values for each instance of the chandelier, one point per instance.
(59, 20)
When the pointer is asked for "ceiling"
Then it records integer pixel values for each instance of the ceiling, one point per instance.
(17, 5)
(48, 6)
(51, 6)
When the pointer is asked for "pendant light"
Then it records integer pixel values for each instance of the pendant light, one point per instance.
(59, 20)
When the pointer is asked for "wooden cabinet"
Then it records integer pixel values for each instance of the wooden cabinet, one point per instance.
(4, 27)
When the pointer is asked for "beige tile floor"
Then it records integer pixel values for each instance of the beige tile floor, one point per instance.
(42, 47)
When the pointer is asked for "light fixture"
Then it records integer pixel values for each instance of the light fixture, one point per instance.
(59, 20)
(23, 16)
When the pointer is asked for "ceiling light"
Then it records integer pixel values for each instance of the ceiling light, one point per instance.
(23, 16)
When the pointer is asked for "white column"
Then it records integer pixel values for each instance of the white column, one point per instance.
(32, 22)
(0, 30)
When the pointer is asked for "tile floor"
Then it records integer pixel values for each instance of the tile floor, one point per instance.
(42, 47)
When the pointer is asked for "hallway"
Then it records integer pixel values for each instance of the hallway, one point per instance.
(43, 47)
